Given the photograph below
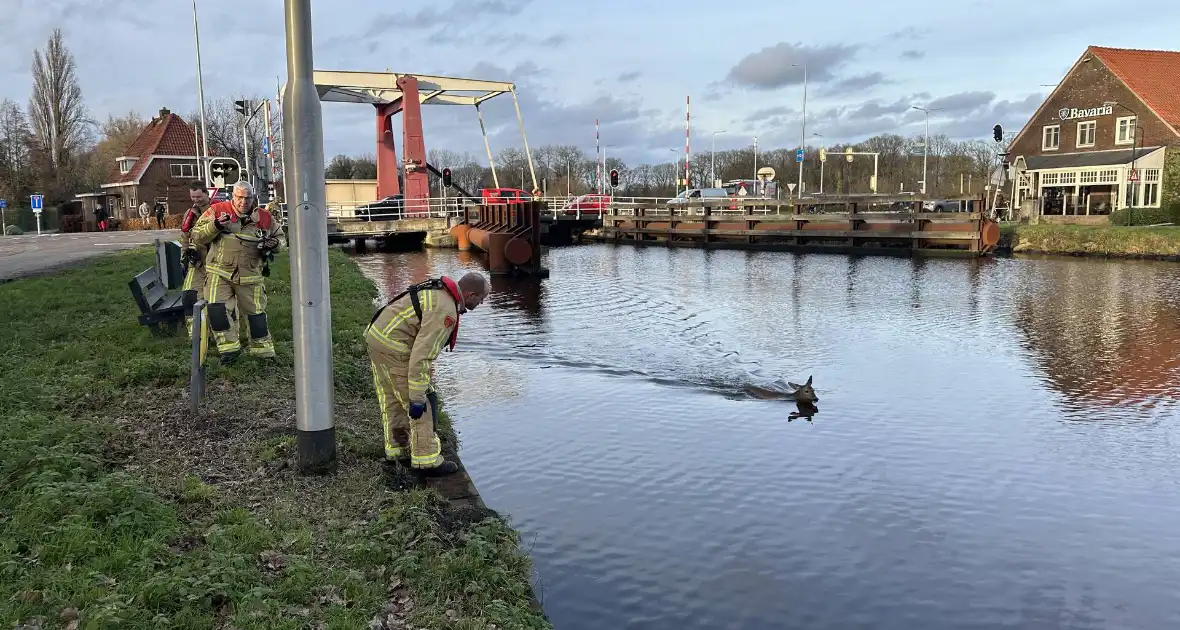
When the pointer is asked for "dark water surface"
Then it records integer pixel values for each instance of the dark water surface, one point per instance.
(997, 443)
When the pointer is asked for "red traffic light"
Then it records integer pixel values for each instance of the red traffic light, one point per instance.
(614, 177)
(446, 177)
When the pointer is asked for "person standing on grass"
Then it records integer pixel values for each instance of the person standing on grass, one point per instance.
(404, 338)
(194, 280)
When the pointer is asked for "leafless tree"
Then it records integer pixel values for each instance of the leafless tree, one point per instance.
(117, 135)
(223, 125)
(59, 121)
(16, 168)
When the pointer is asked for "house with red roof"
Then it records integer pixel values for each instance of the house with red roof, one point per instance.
(1107, 137)
(158, 166)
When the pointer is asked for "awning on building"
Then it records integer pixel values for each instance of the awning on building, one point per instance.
(1115, 157)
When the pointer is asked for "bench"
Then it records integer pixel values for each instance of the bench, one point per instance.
(160, 309)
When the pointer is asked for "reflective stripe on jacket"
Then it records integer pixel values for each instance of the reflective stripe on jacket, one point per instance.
(398, 328)
(236, 252)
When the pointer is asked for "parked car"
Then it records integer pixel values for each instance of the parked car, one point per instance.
(504, 195)
(392, 205)
(587, 204)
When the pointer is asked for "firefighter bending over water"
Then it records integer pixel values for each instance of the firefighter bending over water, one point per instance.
(404, 339)
(241, 239)
(192, 254)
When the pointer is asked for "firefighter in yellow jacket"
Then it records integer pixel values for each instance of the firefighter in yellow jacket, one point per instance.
(193, 255)
(404, 338)
(241, 239)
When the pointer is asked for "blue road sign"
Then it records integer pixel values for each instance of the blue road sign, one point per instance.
(3, 203)
(798, 155)
(35, 202)
(266, 146)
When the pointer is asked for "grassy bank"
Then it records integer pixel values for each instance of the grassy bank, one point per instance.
(1076, 240)
(117, 509)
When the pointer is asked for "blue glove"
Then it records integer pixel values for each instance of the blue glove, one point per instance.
(417, 409)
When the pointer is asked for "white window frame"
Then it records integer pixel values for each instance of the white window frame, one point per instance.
(1093, 134)
(1118, 128)
(1045, 138)
(125, 166)
(191, 173)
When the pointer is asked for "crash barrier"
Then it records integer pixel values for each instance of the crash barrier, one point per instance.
(156, 290)
(196, 382)
(510, 235)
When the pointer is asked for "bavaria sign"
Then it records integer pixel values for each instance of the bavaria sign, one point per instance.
(1070, 113)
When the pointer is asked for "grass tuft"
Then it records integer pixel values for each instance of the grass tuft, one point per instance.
(117, 509)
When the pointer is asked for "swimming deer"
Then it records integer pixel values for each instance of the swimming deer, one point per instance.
(801, 393)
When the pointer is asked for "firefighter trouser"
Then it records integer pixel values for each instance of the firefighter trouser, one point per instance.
(391, 382)
(226, 300)
(193, 288)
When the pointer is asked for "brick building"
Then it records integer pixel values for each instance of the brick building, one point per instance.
(158, 166)
(1104, 137)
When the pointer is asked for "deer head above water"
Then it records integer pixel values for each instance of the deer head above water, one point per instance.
(804, 392)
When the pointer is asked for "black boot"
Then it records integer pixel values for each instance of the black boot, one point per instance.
(229, 357)
(447, 467)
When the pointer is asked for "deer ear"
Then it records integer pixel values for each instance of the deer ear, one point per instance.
(808, 380)
(793, 386)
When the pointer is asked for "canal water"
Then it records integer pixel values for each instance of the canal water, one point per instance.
(997, 441)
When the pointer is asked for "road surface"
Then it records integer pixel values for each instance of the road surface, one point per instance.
(31, 254)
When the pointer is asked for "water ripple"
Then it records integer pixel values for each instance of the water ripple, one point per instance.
(996, 446)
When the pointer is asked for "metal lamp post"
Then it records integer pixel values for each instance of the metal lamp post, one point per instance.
(1134, 159)
(713, 160)
(675, 169)
(803, 130)
(821, 162)
(203, 150)
(311, 309)
(925, 143)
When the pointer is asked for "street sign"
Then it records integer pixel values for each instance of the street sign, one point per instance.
(766, 173)
(823, 155)
(1134, 176)
(266, 146)
(36, 202)
(791, 186)
(798, 155)
(3, 203)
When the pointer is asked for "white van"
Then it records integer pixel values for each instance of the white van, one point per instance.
(697, 194)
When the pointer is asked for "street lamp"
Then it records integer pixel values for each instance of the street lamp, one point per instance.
(713, 159)
(821, 162)
(803, 131)
(675, 167)
(1134, 157)
(925, 143)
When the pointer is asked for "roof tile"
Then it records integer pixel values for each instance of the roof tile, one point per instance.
(166, 134)
(1154, 75)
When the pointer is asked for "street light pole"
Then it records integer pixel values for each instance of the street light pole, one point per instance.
(803, 130)
(1134, 159)
(202, 150)
(311, 308)
(713, 160)
(675, 170)
(821, 163)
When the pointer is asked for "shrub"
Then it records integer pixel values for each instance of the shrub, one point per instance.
(13, 230)
(1166, 213)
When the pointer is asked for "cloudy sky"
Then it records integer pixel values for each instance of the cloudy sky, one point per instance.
(868, 62)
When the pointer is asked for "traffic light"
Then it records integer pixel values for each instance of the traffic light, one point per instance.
(447, 177)
(224, 171)
(614, 178)
(243, 107)
(998, 133)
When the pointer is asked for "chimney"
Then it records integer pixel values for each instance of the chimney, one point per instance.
(164, 113)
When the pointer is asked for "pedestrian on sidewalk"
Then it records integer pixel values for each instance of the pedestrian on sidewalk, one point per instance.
(404, 338)
(241, 238)
(159, 214)
(100, 217)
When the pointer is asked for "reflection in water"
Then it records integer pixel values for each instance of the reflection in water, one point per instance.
(803, 410)
(1103, 334)
(606, 410)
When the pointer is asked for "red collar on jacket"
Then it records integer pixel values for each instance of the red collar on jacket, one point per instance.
(453, 289)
